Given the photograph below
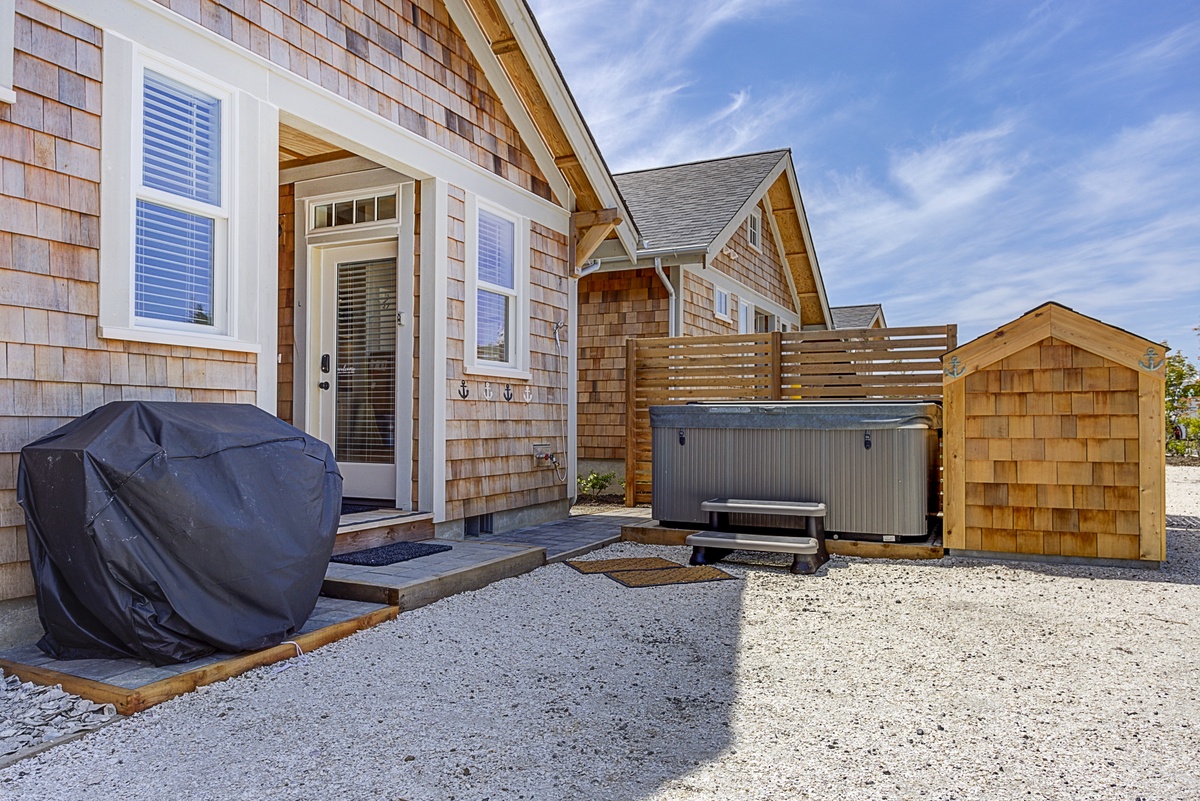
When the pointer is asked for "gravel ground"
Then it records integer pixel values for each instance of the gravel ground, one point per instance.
(874, 680)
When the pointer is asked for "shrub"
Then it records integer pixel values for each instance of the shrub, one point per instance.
(595, 483)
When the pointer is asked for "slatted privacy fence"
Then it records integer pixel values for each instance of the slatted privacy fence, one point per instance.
(861, 363)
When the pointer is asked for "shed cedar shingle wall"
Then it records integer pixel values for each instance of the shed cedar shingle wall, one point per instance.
(612, 307)
(1052, 455)
(405, 61)
(53, 366)
(1054, 441)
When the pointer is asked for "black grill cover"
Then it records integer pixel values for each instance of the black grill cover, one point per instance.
(164, 531)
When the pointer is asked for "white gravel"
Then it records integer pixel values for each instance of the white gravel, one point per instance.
(874, 680)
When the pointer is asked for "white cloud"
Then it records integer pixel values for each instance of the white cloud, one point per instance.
(631, 68)
(981, 227)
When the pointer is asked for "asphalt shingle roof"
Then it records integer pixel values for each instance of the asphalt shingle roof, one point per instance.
(854, 316)
(688, 205)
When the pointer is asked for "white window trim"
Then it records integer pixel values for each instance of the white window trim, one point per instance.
(518, 368)
(8, 34)
(718, 293)
(247, 250)
(754, 229)
(221, 215)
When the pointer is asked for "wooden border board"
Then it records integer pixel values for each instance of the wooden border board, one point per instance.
(128, 701)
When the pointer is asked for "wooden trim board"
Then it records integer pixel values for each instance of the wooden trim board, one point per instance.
(383, 533)
(128, 701)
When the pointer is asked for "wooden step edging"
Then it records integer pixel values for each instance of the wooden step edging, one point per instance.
(128, 701)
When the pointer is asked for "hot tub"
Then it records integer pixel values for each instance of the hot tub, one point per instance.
(872, 463)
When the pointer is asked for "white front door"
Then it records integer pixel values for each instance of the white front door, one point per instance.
(355, 364)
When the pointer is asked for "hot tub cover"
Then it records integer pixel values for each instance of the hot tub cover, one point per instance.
(165, 531)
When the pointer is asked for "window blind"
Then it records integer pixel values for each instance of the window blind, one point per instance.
(491, 326)
(496, 237)
(181, 152)
(173, 261)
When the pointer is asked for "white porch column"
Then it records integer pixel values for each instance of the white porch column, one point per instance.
(431, 467)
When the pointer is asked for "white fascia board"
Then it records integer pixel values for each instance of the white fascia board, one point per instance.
(497, 78)
(794, 185)
(307, 106)
(550, 79)
(727, 232)
(734, 287)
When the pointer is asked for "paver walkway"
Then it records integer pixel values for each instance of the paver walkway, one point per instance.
(576, 535)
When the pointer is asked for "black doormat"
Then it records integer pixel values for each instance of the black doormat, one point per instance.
(1183, 521)
(391, 554)
(350, 508)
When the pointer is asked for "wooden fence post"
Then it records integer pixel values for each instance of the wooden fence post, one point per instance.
(776, 384)
(630, 422)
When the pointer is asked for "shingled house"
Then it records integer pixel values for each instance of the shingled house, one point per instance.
(725, 249)
(351, 215)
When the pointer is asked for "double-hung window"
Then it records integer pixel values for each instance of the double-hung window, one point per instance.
(181, 214)
(497, 316)
(721, 303)
(754, 229)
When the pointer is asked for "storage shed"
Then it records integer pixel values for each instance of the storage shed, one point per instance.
(1054, 429)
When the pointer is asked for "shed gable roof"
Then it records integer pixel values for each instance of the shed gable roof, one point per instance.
(1063, 323)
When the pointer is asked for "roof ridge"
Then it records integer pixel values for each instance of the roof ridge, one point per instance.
(781, 151)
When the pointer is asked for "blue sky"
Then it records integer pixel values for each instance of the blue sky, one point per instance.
(960, 162)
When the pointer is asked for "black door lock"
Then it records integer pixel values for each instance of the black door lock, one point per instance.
(324, 385)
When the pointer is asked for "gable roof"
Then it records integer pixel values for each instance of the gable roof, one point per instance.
(694, 209)
(519, 46)
(687, 206)
(856, 316)
(1063, 323)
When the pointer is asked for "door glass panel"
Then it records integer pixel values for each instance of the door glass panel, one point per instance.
(365, 408)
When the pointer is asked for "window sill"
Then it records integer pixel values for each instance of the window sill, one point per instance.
(497, 371)
(723, 317)
(7, 95)
(181, 338)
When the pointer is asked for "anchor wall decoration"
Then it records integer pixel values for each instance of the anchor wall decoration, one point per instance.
(954, 369)
(1148, 363)
(488, 394)
(528, 394)
(508, 395)
(463, 392)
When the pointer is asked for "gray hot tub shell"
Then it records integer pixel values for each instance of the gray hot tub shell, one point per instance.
(801, 451)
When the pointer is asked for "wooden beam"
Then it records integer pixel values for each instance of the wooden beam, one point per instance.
(586, 219)
(569, 160)
(503, 46)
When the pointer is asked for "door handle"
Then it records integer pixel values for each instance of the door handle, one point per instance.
(323, 385)
(324, 363)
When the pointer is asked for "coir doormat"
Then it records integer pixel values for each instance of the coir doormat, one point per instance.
(391, 554)
(650, 571)
(669, 575)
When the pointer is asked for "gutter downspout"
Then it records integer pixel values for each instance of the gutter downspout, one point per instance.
(670, 296)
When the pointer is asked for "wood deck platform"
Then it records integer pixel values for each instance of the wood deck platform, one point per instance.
(469, 565)
(651, 532)
(132, 685)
